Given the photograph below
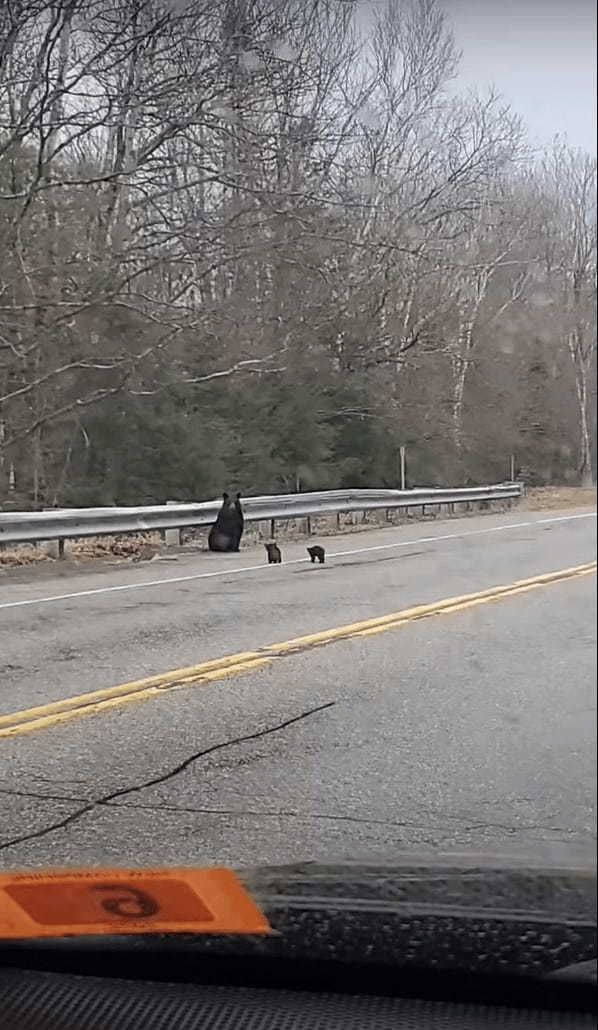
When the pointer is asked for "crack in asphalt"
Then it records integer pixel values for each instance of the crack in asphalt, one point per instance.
(106, 799)
(107, 802)
(42, 797)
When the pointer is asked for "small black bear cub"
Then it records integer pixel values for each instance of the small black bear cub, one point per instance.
(317, 552)
(274, 553)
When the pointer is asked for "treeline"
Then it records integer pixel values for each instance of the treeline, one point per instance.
(264, 245)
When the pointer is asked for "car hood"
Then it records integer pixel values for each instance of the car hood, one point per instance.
(458, 913)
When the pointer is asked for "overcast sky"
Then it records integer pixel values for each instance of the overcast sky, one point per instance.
(540, 54)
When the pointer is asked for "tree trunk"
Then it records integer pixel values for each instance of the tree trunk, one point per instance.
(581, 358)
(36, 461)
(585, 446)
(460, 365)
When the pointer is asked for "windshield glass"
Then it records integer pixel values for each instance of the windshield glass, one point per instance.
(297, 432)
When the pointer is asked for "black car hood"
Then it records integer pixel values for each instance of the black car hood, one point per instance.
(441, 914)
(462, 913)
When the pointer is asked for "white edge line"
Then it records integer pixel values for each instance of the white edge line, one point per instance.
(293, 561)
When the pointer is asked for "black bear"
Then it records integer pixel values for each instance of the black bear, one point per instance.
(274, 553)
(226, 533)
(222, 533)
(316, 552)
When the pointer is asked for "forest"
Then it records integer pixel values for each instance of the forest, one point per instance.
(264, 244)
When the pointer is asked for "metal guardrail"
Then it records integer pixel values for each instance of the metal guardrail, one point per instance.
(70, 523)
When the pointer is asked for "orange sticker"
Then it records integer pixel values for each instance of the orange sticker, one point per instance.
(83, 902)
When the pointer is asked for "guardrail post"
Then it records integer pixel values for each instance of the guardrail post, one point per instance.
(172, 537)
(272, 529)
(308, 525)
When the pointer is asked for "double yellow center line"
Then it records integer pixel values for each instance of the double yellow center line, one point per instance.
(57, 712)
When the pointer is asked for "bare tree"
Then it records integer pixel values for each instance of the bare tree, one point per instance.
(196, 194)
(569, 181)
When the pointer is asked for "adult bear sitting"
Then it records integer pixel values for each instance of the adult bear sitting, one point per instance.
(227, 529)
(224, 535)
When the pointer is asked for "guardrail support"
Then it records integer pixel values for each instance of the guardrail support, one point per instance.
(172, 537)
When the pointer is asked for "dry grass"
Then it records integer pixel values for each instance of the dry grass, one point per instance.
(24, 554)
(139, 548)
(547, 498)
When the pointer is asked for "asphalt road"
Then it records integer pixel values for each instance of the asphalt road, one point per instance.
(471, 731)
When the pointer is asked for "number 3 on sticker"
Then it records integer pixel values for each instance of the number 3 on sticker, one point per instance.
(135, 904)
(81, 901)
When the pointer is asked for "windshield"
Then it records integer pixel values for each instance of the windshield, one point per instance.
(297, 432)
